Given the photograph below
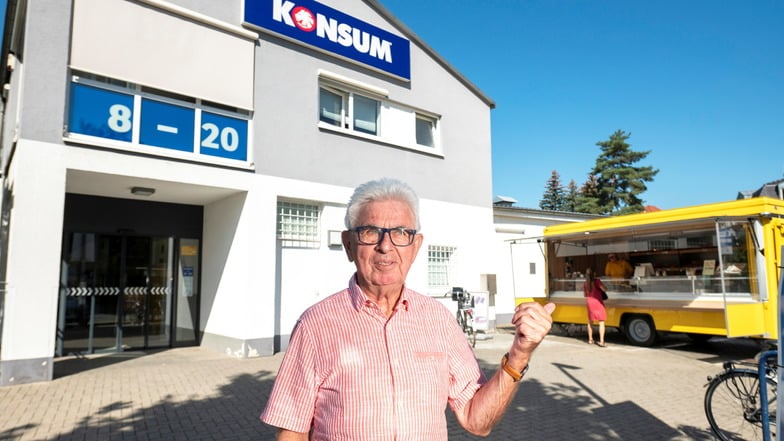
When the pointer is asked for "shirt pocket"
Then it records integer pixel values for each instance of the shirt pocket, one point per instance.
(434, 372)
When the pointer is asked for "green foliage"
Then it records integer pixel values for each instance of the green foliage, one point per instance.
(587, 200)
(613, 186)
(571, 197)
(553, 198)
(619, 182)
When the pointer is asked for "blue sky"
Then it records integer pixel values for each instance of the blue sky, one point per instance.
(698, 83)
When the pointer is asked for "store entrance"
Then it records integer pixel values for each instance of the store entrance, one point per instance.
(118, 293)
(129, 278)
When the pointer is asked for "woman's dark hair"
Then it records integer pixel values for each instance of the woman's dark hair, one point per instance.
(589, 276)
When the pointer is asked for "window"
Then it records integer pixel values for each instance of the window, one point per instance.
(298, 225)
(204, 131)
(337, 108)
(331, 105)
(425, 127)
(439, 265)
(365, 111)
(365, 115)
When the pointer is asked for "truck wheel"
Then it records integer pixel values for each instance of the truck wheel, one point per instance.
(639, 330)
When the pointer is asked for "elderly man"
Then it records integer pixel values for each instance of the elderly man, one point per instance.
(380, 362)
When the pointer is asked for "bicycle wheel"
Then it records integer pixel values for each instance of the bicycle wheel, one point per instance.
(732, 405)
(470, 330)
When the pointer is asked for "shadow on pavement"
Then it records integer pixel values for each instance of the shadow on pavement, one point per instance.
(74, 364)
(232, 415)
(573, 412)
(715, 349)
(539, 411)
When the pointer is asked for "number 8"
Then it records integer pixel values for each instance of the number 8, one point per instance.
(119, 118)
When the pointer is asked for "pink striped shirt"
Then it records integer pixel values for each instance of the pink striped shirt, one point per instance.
(354, 375)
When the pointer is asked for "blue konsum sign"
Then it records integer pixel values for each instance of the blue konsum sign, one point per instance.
(330, 30)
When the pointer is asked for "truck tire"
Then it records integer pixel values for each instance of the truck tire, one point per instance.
(639, 330)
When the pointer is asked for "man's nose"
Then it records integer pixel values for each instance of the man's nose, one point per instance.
(386, 241)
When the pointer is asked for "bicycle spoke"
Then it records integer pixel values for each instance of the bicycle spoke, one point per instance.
(732, 405)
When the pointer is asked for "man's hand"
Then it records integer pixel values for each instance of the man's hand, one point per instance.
(532, 323)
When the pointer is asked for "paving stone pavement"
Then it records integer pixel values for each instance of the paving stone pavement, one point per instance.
(573, 391)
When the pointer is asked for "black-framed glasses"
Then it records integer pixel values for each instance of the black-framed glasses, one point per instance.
(372, 235)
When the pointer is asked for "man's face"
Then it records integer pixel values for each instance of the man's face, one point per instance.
(384, 265)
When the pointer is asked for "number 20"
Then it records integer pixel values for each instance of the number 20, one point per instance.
(229, 138)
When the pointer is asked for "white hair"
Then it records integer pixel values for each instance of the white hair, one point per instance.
(383, 189)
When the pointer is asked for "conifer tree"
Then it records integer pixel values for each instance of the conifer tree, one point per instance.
(570, 198)
(553, 198)
(618, 182)
(588, 197)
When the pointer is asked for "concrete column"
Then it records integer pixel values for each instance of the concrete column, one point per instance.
(37, 181)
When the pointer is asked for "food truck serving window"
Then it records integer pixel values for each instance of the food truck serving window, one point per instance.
(702, 258)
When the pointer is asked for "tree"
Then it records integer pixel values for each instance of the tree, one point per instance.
(553, 198)
(571, 197)
(618, 182)
(587, 200)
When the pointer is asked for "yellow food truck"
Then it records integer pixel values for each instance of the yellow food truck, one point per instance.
(707, 270)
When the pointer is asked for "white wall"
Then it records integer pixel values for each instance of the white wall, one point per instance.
(309, 275)
(30, 315)
(516, 247)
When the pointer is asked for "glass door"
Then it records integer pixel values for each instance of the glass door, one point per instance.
(160, 295)
(185, 332)
(90, 293)
(116, 293)
(135, 290)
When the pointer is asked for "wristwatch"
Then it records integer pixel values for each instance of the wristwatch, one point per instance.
(516, 376)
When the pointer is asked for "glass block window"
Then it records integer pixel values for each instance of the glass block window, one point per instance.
(298, 225)
(439, 265)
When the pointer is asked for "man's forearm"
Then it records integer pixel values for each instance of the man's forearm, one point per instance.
(487, 407)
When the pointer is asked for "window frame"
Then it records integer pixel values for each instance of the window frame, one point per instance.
(433, 129)
(395, 125)
(440, 264)
(342, 112)
(353, 99)
(308, 223)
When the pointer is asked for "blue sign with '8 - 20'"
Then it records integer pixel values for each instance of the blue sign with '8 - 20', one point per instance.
(108, 114)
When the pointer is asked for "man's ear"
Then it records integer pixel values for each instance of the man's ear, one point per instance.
(345, 237)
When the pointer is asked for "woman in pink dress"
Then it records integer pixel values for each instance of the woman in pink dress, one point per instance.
(592, 291)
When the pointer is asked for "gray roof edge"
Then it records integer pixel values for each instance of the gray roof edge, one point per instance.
(539, 211)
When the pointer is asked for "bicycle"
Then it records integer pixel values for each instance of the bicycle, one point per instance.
(736, 404)
(465, 313)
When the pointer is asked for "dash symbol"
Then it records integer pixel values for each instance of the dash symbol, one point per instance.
(167, 129)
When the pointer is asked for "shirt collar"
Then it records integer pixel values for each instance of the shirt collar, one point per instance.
(359, 300)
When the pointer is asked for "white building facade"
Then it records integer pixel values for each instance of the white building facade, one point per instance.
(521, 261)
(176, 172)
